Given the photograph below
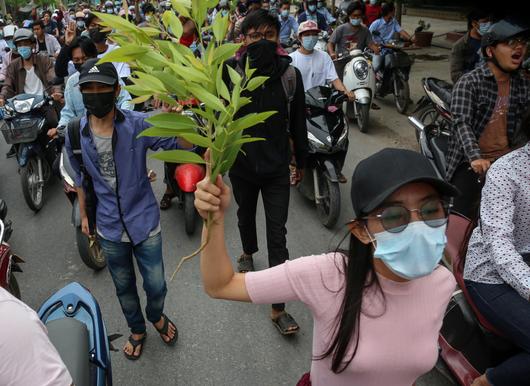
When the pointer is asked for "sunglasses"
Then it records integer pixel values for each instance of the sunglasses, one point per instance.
(396, 218)
(255, 36)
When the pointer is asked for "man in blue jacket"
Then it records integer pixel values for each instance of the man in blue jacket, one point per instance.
(127, 215)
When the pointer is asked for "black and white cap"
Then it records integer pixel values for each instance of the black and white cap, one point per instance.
(100, 73)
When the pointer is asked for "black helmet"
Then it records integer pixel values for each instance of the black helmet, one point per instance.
(501, 31)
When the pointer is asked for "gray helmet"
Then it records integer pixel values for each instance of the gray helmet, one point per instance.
(501, 31)
(23, 34)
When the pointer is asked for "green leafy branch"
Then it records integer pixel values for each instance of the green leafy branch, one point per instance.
(165, 69)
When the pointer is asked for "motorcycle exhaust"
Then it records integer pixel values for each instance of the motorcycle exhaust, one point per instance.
(418, 125)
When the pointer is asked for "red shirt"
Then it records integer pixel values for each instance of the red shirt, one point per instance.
(373, 12)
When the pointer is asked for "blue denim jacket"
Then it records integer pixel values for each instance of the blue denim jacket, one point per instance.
(73, 100)
(132, 207)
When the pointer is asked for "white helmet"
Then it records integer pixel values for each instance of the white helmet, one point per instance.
(9, 30)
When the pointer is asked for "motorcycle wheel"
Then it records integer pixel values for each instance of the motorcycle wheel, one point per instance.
(189, 213)
(14, 289)
(401, 94)
(428, 116)
(364, 117)
(32, 190)
(92, 255)
(329, 206)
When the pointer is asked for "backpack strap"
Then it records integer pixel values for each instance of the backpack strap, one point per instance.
(74, 135)
(289, 87)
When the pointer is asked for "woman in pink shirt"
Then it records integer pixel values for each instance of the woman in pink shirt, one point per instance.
(378, 307)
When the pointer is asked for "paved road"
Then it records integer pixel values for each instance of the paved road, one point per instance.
(221, 343)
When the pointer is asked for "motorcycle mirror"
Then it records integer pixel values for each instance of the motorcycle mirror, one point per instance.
(3, 210)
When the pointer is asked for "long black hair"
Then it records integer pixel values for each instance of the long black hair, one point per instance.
(358, 268)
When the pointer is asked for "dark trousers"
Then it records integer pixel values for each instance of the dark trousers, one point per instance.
(275, 194)
(467, 182)
(509, 312)
(148, 256)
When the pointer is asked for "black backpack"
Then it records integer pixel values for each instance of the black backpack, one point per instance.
(74, 135)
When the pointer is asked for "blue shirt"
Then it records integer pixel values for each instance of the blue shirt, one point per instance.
(386, 30)
(132, 207)
(320, 19)
(287, 26)
(329, 17)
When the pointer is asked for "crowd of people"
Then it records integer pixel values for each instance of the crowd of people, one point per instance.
(377, 306)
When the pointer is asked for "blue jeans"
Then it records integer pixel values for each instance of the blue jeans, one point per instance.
(509, 312)
(148, 256)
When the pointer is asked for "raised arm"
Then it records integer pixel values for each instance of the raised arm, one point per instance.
(220, 280)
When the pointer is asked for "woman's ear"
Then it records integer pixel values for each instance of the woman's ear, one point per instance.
(359, 230)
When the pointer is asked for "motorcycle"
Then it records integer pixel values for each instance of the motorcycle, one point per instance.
(468, 343)
(24, 126)
(359, 76)
(88, 247)
(395, 77)
(322, 43)
(183, 182)
(9, 263)
(328, 142)
(432, 122)
(76, 328)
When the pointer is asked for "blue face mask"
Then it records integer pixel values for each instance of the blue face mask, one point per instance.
(224, 12)
(312, 8)
(320, 4)
(355, 22)
(25, 52)
(309, 42)
(483, 28)
(11, 45)
(373, 2)
(412, 253)
(285, 13)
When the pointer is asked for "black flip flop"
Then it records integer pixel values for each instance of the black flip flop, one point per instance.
(245, 264)
(284, 324)
(165, 202)
(164, 331)
(135, 343)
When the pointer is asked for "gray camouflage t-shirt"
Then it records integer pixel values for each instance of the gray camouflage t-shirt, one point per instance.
(346, 35)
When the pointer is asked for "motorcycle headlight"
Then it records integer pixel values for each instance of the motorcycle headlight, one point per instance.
(315, 141)
(361, 69)
(24, 106)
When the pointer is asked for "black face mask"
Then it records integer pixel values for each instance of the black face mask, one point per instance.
(97, 36)
(262, 55)
(78, 66)
(99, 104)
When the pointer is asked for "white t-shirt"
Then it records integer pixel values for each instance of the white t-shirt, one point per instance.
(28, 356)
(317, 68)
(123, 69)
(33, 84)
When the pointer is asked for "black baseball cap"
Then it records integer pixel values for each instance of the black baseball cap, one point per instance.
(375, 178)
(104, 73)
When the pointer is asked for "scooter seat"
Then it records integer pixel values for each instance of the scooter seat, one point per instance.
(439, 147)
(441, 88)
(70, 338)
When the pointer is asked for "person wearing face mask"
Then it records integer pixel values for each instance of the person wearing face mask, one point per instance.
(263, 167)
(486, 106)
(148, 11)
(497, 264)
(114, 158)
(81, 50)
(323, 10)
(9, 49)
(317, 69)
(384, 30)
(30, 73)
(311, 13)
(372, 12)
(465, 55)
(388, 279)
(349, 36)
(288, 24)
(99, 34)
